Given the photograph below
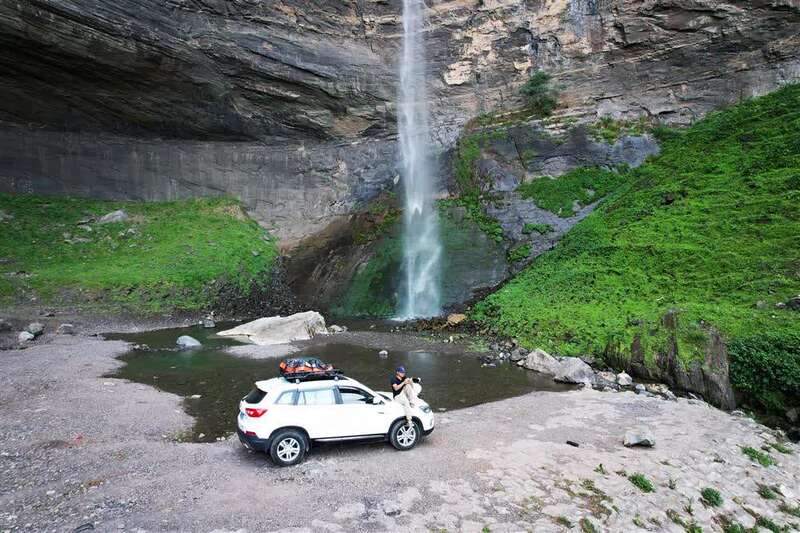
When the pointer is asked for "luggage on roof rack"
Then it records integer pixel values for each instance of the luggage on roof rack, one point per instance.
(308, 368)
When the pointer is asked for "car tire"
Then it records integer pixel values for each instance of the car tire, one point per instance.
(404, 437)
(288, 447)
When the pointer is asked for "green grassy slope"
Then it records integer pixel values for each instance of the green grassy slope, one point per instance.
(168, 255)
(709, 227)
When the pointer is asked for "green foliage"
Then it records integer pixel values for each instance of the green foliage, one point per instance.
(641, 482)
(764, 459)
(767, 366)
(767, 523)
(781, 448)
(471, 195)
(563, 521)
(519, 253)
(587, 526)
(733, 527)
(584, 185)
(767, 493)
(711, 497)
(610, 130)
(786, 508)
(708, 227)
(380, 218)
(542, 229)
(167, 256)
(528, 155)
(539, 93)
(370, 293)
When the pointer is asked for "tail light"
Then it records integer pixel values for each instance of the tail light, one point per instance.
(252, 412)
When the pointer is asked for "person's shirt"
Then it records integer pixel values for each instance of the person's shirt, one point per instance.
(397, 381)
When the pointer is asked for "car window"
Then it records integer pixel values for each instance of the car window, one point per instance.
(316, 397)
(354, 395)
(287, 398)
(254, 396)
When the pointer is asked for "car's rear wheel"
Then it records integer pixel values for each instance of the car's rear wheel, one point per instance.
(288, 447)
(405, 436)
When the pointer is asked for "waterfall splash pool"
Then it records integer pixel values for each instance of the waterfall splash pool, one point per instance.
(452, 376)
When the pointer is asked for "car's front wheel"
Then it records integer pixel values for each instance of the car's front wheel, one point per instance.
(288, 447)
(405, 436)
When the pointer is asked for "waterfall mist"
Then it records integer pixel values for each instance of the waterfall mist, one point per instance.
(422, 250)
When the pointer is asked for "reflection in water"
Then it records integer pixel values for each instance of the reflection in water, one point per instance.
(449, 381)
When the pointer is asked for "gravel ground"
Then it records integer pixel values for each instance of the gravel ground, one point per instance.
(77, 448)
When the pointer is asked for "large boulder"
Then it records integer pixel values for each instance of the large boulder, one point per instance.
(35, 328)
(114, 216)
(541, 361)
(280, 329)
(574, 370)
(185, 341)
(641, 436)
(25, 336)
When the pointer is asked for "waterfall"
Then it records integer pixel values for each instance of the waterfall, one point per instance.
(422, 250)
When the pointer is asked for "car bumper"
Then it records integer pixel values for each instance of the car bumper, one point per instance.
(253, 443)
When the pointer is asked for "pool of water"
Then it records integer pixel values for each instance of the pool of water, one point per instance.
(451, 377)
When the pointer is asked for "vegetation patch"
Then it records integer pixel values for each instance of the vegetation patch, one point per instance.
(587, 526)
(764, 459)
(711, 497)
(767, 492)
(164, 256)
(767, 366)
(641, 482)
(610, 130)
(577, 188)
(541, 229)
(709, 227)
(540, 95)
(519, 253)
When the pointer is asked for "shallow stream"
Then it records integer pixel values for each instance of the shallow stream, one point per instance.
(452, 375)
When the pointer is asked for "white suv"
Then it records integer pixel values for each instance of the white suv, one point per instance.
(284, 417)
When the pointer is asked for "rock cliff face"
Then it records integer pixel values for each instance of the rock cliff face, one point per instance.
(290, 104)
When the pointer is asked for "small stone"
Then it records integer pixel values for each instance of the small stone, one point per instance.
(641, 436)
(255, 253)
(786, 492)
(657, 388)
(780, 305)
(383, 353)
(25, 336)
(669, 395)
(455, 319)
(185, 341)
(518, 354)
(624, 380)
(66, 329)
(639, 388)
(794, 303)
(334, 329)
(195, 397)
(35, 328)
(114, 216)
(208, 323)
(761, 304)
(201, 435)
(391, 508)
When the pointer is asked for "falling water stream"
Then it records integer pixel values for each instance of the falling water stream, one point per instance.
(422, 249)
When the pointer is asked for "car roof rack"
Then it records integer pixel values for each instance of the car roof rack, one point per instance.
(299, 377)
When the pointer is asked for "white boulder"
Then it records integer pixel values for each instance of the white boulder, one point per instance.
(280, 329)
(541, 361)
(25, 336)
(114, 216)
(624, 380)
(574, 370)
(641, 436)
(185, 341)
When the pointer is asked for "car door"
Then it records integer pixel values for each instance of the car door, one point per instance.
(316, 411)
(358, 414)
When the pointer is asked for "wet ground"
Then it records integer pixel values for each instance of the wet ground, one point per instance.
(452, 374)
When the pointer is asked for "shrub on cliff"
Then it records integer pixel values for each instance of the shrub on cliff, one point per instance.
(539, 93)
(708, 227)
(767, 366)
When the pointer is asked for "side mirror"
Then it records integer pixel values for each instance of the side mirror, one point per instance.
(376, 400)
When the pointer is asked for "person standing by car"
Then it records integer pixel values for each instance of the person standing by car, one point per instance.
(405, 391)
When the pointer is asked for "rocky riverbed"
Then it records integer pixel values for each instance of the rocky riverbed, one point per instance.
(80, 450)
